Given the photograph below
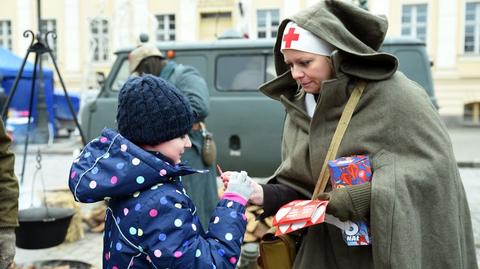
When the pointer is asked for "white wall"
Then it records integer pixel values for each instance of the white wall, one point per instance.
(121, 24)
(187, 25)
(379, 7)
(289, 8)
(24, 15)
(141, 21)
(447, 24)
(72, 36)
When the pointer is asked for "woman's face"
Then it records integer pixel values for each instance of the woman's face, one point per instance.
(172, 149)
(308, 69)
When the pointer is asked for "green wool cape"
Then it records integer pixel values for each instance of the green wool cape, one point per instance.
(419, 216)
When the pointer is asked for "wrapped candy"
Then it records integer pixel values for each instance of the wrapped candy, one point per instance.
(299, 214)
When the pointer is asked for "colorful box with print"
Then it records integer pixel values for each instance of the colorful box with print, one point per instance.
(346, 171)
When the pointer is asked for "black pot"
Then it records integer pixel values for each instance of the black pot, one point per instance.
(41, 227)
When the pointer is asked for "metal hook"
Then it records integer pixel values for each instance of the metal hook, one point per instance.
(39, 160)
(53, 34)
(29, 33)
(38, 167)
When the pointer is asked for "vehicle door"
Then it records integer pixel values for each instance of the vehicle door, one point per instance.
(246, 124)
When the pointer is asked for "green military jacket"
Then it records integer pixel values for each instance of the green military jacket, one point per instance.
(419, 214)
(8, 183)
(202, 188)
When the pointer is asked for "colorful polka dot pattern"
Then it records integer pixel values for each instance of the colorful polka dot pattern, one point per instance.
(154, 209)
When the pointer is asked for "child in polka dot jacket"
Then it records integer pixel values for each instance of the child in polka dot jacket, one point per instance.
(151, 221)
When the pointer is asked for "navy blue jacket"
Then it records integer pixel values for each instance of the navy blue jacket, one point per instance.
(151, 222)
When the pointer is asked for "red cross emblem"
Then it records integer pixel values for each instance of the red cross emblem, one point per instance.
(289, 37)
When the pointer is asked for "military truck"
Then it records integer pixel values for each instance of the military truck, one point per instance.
(247, 126)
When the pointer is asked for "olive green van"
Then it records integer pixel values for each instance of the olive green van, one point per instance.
(247, 125)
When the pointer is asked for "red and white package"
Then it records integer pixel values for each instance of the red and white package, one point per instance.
(299, 214)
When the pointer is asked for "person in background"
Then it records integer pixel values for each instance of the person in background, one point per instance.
(151, 221)
(8, 200)
(415, 203)
(202, 188)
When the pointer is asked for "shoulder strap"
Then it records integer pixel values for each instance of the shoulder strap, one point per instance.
(337, 137)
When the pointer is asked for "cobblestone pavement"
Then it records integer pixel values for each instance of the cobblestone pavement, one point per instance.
(89, 250)
(55, 167)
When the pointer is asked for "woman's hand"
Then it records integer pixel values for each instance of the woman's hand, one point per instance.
(349, 203)
(256, 197)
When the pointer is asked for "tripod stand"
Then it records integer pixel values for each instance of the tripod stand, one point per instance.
(38, 48)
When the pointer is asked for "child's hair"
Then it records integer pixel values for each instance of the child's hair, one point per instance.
(151, 110)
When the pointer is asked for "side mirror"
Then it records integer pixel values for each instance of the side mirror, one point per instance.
(100, 78)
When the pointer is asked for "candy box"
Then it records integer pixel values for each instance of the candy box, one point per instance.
(351, 170)
(299, 214)
(346, 171)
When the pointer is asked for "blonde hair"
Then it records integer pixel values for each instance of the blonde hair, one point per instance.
(300, 92)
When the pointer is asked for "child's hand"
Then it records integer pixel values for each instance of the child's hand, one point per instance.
(225, 176)
(240, 184)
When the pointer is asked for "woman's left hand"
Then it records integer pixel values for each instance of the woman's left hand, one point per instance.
(256, 197)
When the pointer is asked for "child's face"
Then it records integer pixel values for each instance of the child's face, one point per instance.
(174, 148)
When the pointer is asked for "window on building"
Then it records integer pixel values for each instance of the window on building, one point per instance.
(166, 27)
(6, 34)
(414, 21)
(472, 28)
(267, 23)
(50, 25)
(99, 40)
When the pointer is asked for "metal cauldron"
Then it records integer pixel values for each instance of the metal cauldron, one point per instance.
(42, 227)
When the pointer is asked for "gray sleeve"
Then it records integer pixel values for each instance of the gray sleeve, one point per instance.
(195, 89)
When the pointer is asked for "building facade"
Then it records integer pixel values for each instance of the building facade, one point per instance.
(451, 30)
(89, 32)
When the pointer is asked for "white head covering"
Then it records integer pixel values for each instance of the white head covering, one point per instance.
(297, 38)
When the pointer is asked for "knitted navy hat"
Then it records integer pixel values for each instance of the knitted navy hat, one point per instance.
(151, 110)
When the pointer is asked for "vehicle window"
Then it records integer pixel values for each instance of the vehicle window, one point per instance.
(197, 61)
(240, 72)
(121, 77)
(271, 74)
(412, 64)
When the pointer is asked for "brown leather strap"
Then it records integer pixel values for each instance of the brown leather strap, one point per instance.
(197, 126)
(337, 137)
